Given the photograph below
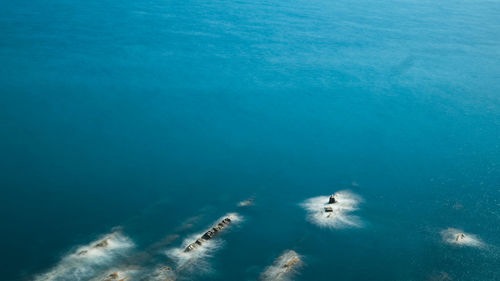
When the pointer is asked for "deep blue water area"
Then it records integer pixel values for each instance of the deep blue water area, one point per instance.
(158, 117)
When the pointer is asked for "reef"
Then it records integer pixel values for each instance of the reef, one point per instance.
(459, 238)
(102, 244)
(283, 268)
(334, 211)
(123, 274)
(163, 273)
(208, 235)
(115, 276)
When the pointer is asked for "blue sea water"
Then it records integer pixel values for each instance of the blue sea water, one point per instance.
(147, 114)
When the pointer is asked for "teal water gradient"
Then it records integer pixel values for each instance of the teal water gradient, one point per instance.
(146, 113)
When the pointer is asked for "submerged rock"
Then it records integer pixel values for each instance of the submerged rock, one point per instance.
(292, 262)
(440, 276)
(102, 244)
(208, 235)
(120, 275)
(283, 268)
(81, 253)
(246, 203)
(163, 273)
(328, 209)
(458, 206)
(113, 276)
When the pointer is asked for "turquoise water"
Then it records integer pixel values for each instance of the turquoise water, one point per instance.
(160, 116)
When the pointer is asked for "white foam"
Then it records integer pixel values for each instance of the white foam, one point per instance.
(197, 258)
(454, 236)
(340, 217)
(88, 260)
(121, 274)
(162, 274)
(246, 203)
(283, 268)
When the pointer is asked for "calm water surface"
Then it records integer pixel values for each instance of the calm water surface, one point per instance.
(144, 114)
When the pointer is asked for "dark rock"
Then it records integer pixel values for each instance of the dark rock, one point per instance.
(208, 235)
(101, 244)
(332, 199)
(191, 247)
(291, 262)
(112, 276)
(81, 253)
(328, 209)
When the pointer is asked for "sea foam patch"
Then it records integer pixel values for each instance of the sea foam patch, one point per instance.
(119, 274)
(197, 248)
(283, 268)
(334, 215)
(88, 260)
(142, 265)
(246, 203)
(162, 273)
(195, 259)
(460, 238)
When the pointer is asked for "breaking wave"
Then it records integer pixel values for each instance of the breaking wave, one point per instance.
(88, 260)
(283, 268)
(340, 216)
(458, 237)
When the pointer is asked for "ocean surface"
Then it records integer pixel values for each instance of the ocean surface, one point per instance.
(147, 121)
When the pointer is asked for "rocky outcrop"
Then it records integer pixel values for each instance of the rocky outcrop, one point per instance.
(332, 199)
(283, 268)
(328, 209)
(460, 238)
(102, 244)
(84, 252)
(163, 273)
(208, 235)
(115, 276)
(291, 262)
